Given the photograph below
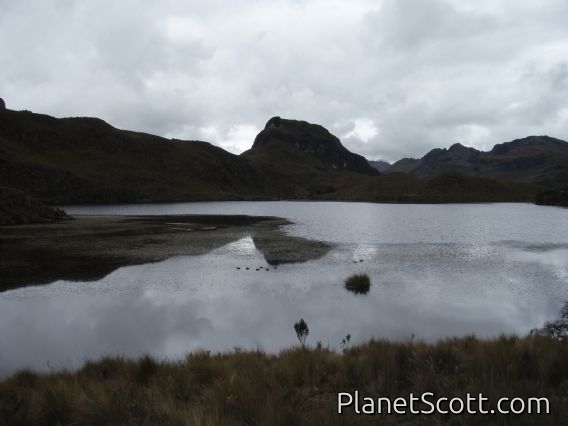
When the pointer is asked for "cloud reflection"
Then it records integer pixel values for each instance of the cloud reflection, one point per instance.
(182, 304)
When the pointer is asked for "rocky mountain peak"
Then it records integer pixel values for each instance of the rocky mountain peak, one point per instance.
(311, 139)
(529, 141)
(274, 122)
(458, 147)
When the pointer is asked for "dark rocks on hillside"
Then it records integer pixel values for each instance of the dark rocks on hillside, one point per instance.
(2, 104)
(530, 143)
(541, 160)
(273, 122)
(311, 139)
(456, 151)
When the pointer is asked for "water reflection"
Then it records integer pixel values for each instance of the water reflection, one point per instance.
(185, 303)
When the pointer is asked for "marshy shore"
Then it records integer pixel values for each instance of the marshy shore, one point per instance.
(298, 386)
(91, 247)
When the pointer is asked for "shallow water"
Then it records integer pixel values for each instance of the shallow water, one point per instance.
(436, 271)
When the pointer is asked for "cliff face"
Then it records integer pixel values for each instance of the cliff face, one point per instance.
(314, 140)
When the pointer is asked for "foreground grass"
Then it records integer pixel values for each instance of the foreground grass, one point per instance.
(295, 387)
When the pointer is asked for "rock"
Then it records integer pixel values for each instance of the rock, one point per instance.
(311, 139)
(274, 122)
(2, 104)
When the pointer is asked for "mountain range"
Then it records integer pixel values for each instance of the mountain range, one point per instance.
(86, 160)
(535, 159)
(380, 165)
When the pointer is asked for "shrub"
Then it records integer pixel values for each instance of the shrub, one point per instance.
(358, 284)
(556, 329)
(302, 331)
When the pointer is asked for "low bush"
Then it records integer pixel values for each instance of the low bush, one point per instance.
(358, 284)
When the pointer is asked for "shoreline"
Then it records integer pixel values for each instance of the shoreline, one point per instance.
(300, 385)
(90, 247)
(304, 200)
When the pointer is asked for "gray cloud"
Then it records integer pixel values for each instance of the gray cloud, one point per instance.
(391, 78)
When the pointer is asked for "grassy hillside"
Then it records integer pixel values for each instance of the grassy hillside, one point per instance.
(85, 160)
(17, 208)
(297, 386)
(304, 170)
(554, 197)
(445, 188)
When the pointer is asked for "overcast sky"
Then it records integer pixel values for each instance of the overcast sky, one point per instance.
(391, 78)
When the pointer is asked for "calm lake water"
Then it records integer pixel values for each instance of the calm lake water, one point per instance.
(436, 271)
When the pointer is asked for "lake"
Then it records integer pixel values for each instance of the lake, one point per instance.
(436, 271)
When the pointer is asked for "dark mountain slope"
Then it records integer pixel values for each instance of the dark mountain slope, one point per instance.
(444, 188)
(536, 159)
(299, 159)
(311, 139)
(553, 197)
(17, 208)
(86, 160)
(76, 160)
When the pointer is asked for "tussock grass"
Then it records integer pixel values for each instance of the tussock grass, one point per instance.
(297, 386)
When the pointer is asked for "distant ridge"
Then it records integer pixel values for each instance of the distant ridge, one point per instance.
(86, 160)
(380, 165)
(535, 159)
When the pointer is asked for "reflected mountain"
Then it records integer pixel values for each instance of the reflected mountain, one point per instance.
(90, 248)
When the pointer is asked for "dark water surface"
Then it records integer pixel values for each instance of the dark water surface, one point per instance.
(436, 271)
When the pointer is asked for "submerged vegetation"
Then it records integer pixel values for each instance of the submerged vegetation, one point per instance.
(89, 248)
(358, 284)
(296, 386)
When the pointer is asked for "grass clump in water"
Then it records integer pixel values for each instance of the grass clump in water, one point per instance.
(358, 284)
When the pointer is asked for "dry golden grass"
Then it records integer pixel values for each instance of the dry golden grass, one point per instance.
(295, 387)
